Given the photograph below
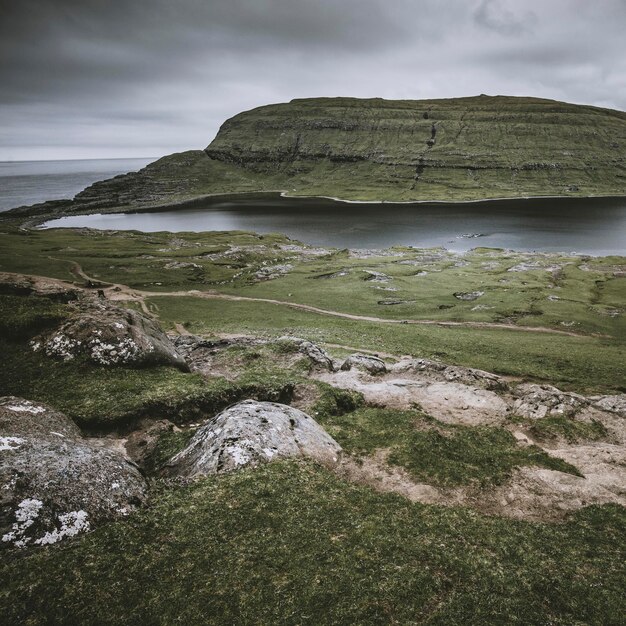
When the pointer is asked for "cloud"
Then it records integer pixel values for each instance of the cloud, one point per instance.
(495, 15)
(142, 77)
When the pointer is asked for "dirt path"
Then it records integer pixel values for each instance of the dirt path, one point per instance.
(214, 295)
(120, 292)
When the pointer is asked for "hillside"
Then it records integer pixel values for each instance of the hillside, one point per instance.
(402, 150)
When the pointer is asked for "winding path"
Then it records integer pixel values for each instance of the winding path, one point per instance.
(120, 292)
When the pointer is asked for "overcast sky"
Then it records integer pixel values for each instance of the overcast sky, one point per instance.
(123, 78)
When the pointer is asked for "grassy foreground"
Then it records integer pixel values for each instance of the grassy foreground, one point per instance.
(290, 543)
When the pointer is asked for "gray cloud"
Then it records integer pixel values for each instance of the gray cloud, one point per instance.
(148, 77)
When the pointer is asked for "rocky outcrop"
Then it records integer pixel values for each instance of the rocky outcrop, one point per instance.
(436, 371)
(251, 433)
(612, 404)
(537, 401)
(54, 483)
(110, 335)
(364, 362)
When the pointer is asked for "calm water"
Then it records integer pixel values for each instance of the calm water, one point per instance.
(29, 182)
(595, 226)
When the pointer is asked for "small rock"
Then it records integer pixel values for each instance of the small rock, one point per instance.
(111, 335)
(366, 362)
(469, 295)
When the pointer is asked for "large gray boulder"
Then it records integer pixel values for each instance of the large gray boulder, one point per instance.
(54, 483)
(110, 335)
(250, 433)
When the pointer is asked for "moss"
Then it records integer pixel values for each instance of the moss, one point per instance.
(437, 453)
(169, 443)
(25, 316)
(572, 430)
(290, 543)
(335, 402)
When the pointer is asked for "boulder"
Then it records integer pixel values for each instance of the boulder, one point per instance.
(54, 483)
(537, 401)
(250, 433)
(365, 362)
(110, 335)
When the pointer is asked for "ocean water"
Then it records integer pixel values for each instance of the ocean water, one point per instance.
(30, 182)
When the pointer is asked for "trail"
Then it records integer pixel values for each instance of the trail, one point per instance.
(214, 295)
(120, 292)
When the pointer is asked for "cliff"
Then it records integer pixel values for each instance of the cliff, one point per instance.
(395, 150)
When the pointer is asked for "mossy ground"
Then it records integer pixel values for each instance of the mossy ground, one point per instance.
(290, 543)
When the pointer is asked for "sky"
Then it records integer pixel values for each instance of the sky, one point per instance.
(143, 78)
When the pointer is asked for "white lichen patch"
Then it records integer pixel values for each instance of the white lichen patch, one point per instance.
(238, 454)
(10, 443)
(72, 524)
(25, 515)
(62, 346)
(26, 407)
(112, 353)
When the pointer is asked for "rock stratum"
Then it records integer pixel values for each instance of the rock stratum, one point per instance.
(387, 150)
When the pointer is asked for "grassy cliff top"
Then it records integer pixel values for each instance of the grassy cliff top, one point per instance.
(387, 150)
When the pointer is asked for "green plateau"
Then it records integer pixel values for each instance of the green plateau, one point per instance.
(459, 149)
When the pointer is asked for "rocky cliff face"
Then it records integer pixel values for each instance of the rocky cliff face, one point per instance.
(395, 150)
(458, 149)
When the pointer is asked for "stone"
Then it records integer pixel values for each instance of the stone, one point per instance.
(537, 401)
(469, 295)
(612, 404)
(55, 484)
(250, 433)
(367, 362)
(318, 356)
(434, 370)
(110, 335)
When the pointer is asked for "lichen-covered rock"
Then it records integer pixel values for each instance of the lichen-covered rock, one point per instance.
(53, 483)
(537, 401)
(366, 362)
(319, 357)
(250, 433)
(434, 370)
(110, 335)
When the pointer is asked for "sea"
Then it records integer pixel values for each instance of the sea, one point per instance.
(29, 182)
(594, 226)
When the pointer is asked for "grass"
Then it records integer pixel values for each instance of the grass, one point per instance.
(573, 431)
(169, 443)
(100, 398)
(435, 453)
(290, 543)
(583, 363)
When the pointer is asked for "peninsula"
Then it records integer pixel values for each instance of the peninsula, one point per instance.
(459, 149)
